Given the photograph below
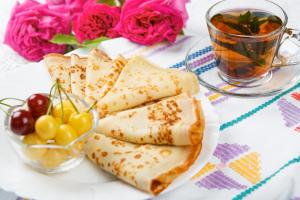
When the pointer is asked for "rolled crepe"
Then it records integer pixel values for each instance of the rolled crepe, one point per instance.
(141, 82)
(77, 75)
(147, 167)
(101, 74)
(58, 67)
(175, 121)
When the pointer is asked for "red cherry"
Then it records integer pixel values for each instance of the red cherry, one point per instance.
(38, 105)
(22, 122)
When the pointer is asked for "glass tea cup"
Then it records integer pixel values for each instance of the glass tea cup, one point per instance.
(249, 39)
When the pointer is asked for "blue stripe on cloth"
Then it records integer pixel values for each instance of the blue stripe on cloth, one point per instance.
(200, 52)
(205, 68)
(193, 56)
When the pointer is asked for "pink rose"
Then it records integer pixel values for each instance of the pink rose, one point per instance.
(180, 6)
(55, 2)
(30, 28)
(152, 21)
(95, 21)
(72, 6)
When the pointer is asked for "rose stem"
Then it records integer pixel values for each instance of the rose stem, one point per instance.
(70, 100)
(92, 106)
(50, 98)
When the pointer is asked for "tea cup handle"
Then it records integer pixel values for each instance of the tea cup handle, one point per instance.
(288, 52)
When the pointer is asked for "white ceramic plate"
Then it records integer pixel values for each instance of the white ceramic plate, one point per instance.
(85, 181)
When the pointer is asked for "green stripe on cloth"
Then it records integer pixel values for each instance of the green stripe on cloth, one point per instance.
(263, 182)
(258, 108)
(249, 114)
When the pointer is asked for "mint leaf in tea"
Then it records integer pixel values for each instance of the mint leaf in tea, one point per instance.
(244, 52)
(246, 22)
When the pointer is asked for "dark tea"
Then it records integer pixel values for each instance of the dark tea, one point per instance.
(244, 50)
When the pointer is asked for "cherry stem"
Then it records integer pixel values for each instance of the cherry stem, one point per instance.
(92, 106)
(68, 97)
(10, 98)
(4, 104)
(7, 105)
(50, 98)
(61, 102)
(4, 111)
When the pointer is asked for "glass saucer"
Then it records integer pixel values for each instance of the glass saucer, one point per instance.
(200, 60)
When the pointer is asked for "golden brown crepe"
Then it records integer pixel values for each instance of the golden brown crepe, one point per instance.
(77, 75)
(176, 121)
(58, 67)
(147, 167)
(101, 74)
(141, 82)
(134, 142)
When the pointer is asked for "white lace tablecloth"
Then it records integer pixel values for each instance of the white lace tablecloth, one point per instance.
(9, 60)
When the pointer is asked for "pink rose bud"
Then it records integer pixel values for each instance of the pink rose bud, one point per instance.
(71, 6)
(95, 21)
(30, 28)
(152, 21)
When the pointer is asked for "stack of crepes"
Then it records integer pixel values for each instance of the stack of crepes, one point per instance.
(150, 126)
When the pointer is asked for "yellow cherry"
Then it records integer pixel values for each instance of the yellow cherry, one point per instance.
(65, 134)
(46, 127)
(81, 122)
(31, 152)
(68, 109)
(54, 157)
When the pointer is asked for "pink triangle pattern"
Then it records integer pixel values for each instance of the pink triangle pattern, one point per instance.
(226, 152)
(218, 180)
(290, 112)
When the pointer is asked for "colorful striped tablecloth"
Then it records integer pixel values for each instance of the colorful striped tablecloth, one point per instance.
(258, 155)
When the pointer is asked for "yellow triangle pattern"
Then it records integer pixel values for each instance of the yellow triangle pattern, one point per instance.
(248, 166)
(207, 168)
(217, 95)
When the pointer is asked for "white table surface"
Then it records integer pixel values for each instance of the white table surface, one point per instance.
(9, 60)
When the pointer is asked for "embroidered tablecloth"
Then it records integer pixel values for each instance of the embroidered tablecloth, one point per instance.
(258, 155)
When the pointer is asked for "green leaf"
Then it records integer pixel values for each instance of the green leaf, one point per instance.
(108, 2)
(238, 27)
(64, 39)
(93, 43)
(122, 2)
(181, 32)
(245, 18)
(251, 21)
(255, 25)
